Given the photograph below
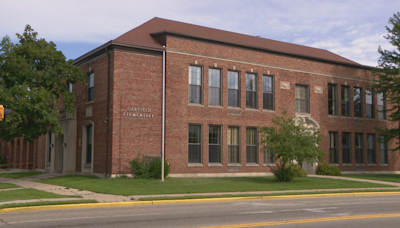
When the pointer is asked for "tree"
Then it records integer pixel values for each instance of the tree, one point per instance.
(33, 78)
(388, 83)
(290, 140)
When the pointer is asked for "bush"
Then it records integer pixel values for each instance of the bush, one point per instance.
(149, 170)
(3, 164)
(325, 169)
(297, 170)
(283, 173)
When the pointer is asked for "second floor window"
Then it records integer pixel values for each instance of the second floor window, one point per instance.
(195, 85)
(357, 102)
(345, 101)
(268, 92)
(381, 106)
(214, 89)
(251, 91)
(369, 101)
(90, 87)
(233, 89)
(332, 100)
(302, 99)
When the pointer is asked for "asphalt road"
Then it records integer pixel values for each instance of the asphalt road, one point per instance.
(359, 211)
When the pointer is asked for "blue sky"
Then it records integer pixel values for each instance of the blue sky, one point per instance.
(352, 29)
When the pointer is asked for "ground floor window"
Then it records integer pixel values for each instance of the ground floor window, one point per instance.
(333, 151)
(346, 148)
(214, 144)
(383, 153)
(89, 144)
(371, 149)
(233, 145)
(269, 156)
(358, 142)
(251, 145)
(194, 143)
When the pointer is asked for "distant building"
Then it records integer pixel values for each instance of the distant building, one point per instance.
(220, 86)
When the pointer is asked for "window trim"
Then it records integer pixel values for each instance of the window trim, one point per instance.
(307, 98)
(220, 144)
(239, 96)
(334, 100)
(220, 85)
(201, 84)
(201, 143)
(255, 91)
(272, 92)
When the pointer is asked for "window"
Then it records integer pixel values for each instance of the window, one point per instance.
(346, 155)
(233, 145)
(358, 142)
(195, 85)
(214, 144)
(371, 149)
(90, 87)
(383, 153)
(333, 152)
(269, 156)
(233, 89)
(214, 90)
(357, 102)
(369, 100)
(345, 101)
(69, 87)
(268, 92)
(194, 143)
(381, 106)
(251, 145)
(89, 143)
(332, 100)
(302, 99)
(251, 91)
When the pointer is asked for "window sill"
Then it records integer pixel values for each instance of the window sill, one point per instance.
(234, 164)
(269, 164)
(252, 109)
(382, 120)
(334, 164)
(215, 165)
(360, 164)
(346, 117)
(269, 110)
(87, 165)
(89, 102)
(347, 164)
(332, 116)
(371, 164)
(304, 114)
(358, 118)
(235, 108)
(195, 165)
(384, 164)
(215, 106)
(252, 164)
(196, 105)
(370, 118)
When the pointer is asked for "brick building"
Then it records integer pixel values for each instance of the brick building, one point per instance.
(219, 86)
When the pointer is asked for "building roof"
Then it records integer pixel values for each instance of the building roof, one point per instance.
(147, 36)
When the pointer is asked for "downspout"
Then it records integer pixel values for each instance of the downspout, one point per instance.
(108, 111)
(163, 116)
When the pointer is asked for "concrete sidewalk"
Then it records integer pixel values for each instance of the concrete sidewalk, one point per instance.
(29, 182)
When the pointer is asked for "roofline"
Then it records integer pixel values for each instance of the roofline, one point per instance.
(110, 45)
(166, 32)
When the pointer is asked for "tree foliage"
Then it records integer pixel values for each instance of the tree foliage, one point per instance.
(388, 74)
(33, 76)
(291, 141)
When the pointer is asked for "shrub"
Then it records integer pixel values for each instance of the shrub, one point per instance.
(149, 170)
(325, 169)
(283, 173)
(3, 164)
(297, 170)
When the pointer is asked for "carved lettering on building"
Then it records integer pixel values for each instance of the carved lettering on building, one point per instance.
(318, 89)
(285, 85)
(138, 112)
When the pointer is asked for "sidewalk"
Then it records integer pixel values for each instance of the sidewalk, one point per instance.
(29, 182)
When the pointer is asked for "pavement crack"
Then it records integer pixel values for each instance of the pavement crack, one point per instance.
(2, 221)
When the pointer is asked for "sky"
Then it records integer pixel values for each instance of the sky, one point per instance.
(353, 29)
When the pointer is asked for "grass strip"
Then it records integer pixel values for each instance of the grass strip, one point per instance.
(45, 203)
(7, 185)
(20, 174)
(129, 187)
(250, 195)
(380, 177)
(28, 194)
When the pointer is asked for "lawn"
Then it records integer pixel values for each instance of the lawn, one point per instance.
(20, 174)
(6, 185)
(27, 194)
(127, 186)
(45, 203)
(380, 177)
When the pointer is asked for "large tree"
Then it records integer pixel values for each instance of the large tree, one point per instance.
(388, 82)
(290, 140)
(33, 79)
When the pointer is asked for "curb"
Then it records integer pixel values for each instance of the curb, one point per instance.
(207, 200)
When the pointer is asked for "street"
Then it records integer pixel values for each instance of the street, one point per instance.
(359, 211)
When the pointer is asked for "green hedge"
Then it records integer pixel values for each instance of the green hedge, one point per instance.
(325, 169)
(149, 170)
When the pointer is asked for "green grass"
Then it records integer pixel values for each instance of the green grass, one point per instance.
(20, 174)
(6, 185)
(380, 177)
(127, 186)
(250, 195)
(44, 203)
(27, 194)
